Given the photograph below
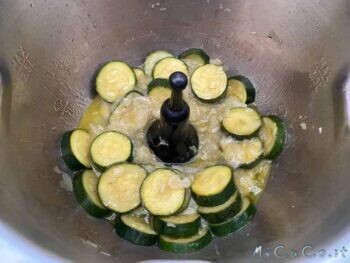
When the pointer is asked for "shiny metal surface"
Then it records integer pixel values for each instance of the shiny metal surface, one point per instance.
(296, 52)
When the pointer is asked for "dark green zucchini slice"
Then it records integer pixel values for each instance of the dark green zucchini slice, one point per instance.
(241, 123)
(162, 195)
(185, 244)
(242, 88)
(114, 80)
(85, 191)
(213, 186)
(218, 214)
(177, 226)
(110, 147)
(273, 135)
(235, 223)
(119, 187)
(75, 149)
(135, 230)
(209, 83)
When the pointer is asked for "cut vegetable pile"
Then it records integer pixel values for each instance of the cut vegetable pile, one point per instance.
(179, 209)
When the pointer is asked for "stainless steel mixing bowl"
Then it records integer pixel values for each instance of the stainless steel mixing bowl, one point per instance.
(296, 52)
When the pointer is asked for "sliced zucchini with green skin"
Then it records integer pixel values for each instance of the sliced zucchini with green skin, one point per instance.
(218, 214)
(159, 89)
(115, 79)
(119, 187)
(161, 196)
(241, 123)
(185, 244)
(167, 66)
(152, 59)
(110, 147)
(75, 149)
(85, 191)
(273, 135)
(252, 182)
(194, 57)
(242, 88)
(213, 186)
(209, 83)
(136, 230)
(233, 224)
(177, 226)
(242, 154)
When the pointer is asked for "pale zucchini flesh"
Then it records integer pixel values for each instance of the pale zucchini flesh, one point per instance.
(165, 67)
(177, 226)
(137, 223)
(185, 244)
(85, 191)
(273, 136)
(237, 89)
(209, 83)
(194, 58)
(252, 182)
(212, 180)
(241, 123)
(242, 88)
(80, 143)
(213, 186)
(110, 147)
(135, 230)
(244, 154)
(159, 89)
(115, 79)
(160, 196)
(119, 187)
(153, 58)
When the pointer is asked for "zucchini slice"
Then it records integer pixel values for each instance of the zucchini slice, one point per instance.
(85, 191)
(159, 89)
(119, 187)
(141, 78)
(135, 230)
(95, 114)
(241, 123)
(252, 182)
(153, 58)
(177, 226)
(194, 58)
(131, 114)
(167, 66)
(273, 136)
(110, 147)
(233, 224)
(242, 154)
(209, 83)
(161, 194)
(115, 79)
(75, 149)
(213, 186)
(218, 214)
(185, 244)
(242, 88)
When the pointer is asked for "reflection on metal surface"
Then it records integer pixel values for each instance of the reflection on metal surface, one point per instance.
(346, 91)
